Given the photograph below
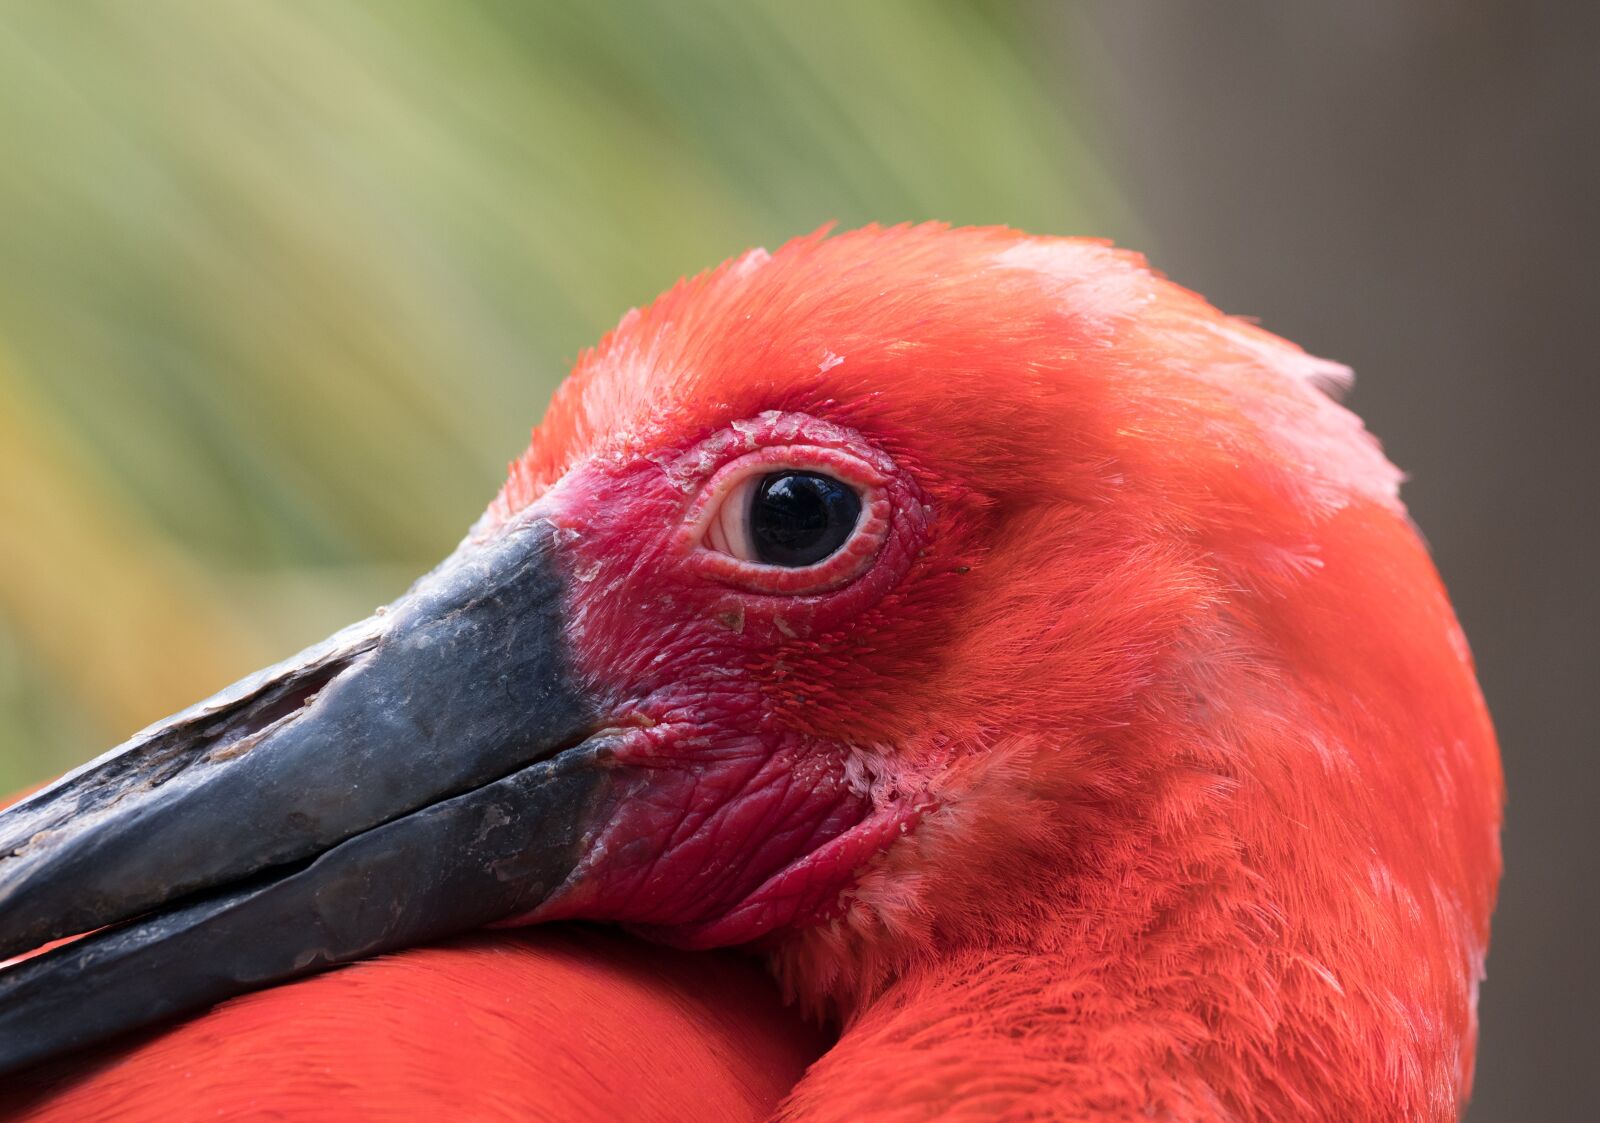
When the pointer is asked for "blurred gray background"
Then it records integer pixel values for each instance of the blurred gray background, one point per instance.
(1413, 189)
(283, 285)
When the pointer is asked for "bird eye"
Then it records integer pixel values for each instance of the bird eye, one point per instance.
(787, 518)
(799, 518)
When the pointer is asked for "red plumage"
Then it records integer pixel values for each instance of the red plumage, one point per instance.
(547, 1024)
(1141, 773)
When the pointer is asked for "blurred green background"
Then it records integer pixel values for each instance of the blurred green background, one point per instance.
(283, 285)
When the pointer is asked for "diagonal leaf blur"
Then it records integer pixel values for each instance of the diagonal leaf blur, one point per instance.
(283, 285)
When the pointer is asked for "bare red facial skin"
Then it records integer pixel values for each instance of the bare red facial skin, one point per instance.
(732, 815)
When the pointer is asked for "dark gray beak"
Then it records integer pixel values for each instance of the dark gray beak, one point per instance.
(426, 771)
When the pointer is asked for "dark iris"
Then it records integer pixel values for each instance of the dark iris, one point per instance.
(799, 518)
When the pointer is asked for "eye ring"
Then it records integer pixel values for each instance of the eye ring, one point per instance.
(827, 487)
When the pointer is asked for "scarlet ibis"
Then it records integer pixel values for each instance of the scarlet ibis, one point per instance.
(1034, 667)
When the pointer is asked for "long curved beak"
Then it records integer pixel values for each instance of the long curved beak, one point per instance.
(428, 770)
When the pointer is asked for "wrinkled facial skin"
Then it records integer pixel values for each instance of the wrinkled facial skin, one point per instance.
(736, 805)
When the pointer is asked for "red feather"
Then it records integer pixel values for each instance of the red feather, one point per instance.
(551, 1023)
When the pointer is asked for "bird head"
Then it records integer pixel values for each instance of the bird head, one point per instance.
(905, 598)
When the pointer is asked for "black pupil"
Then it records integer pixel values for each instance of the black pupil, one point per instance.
(799, 518)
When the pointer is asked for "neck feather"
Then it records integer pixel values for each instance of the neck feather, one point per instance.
(1156, 955)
